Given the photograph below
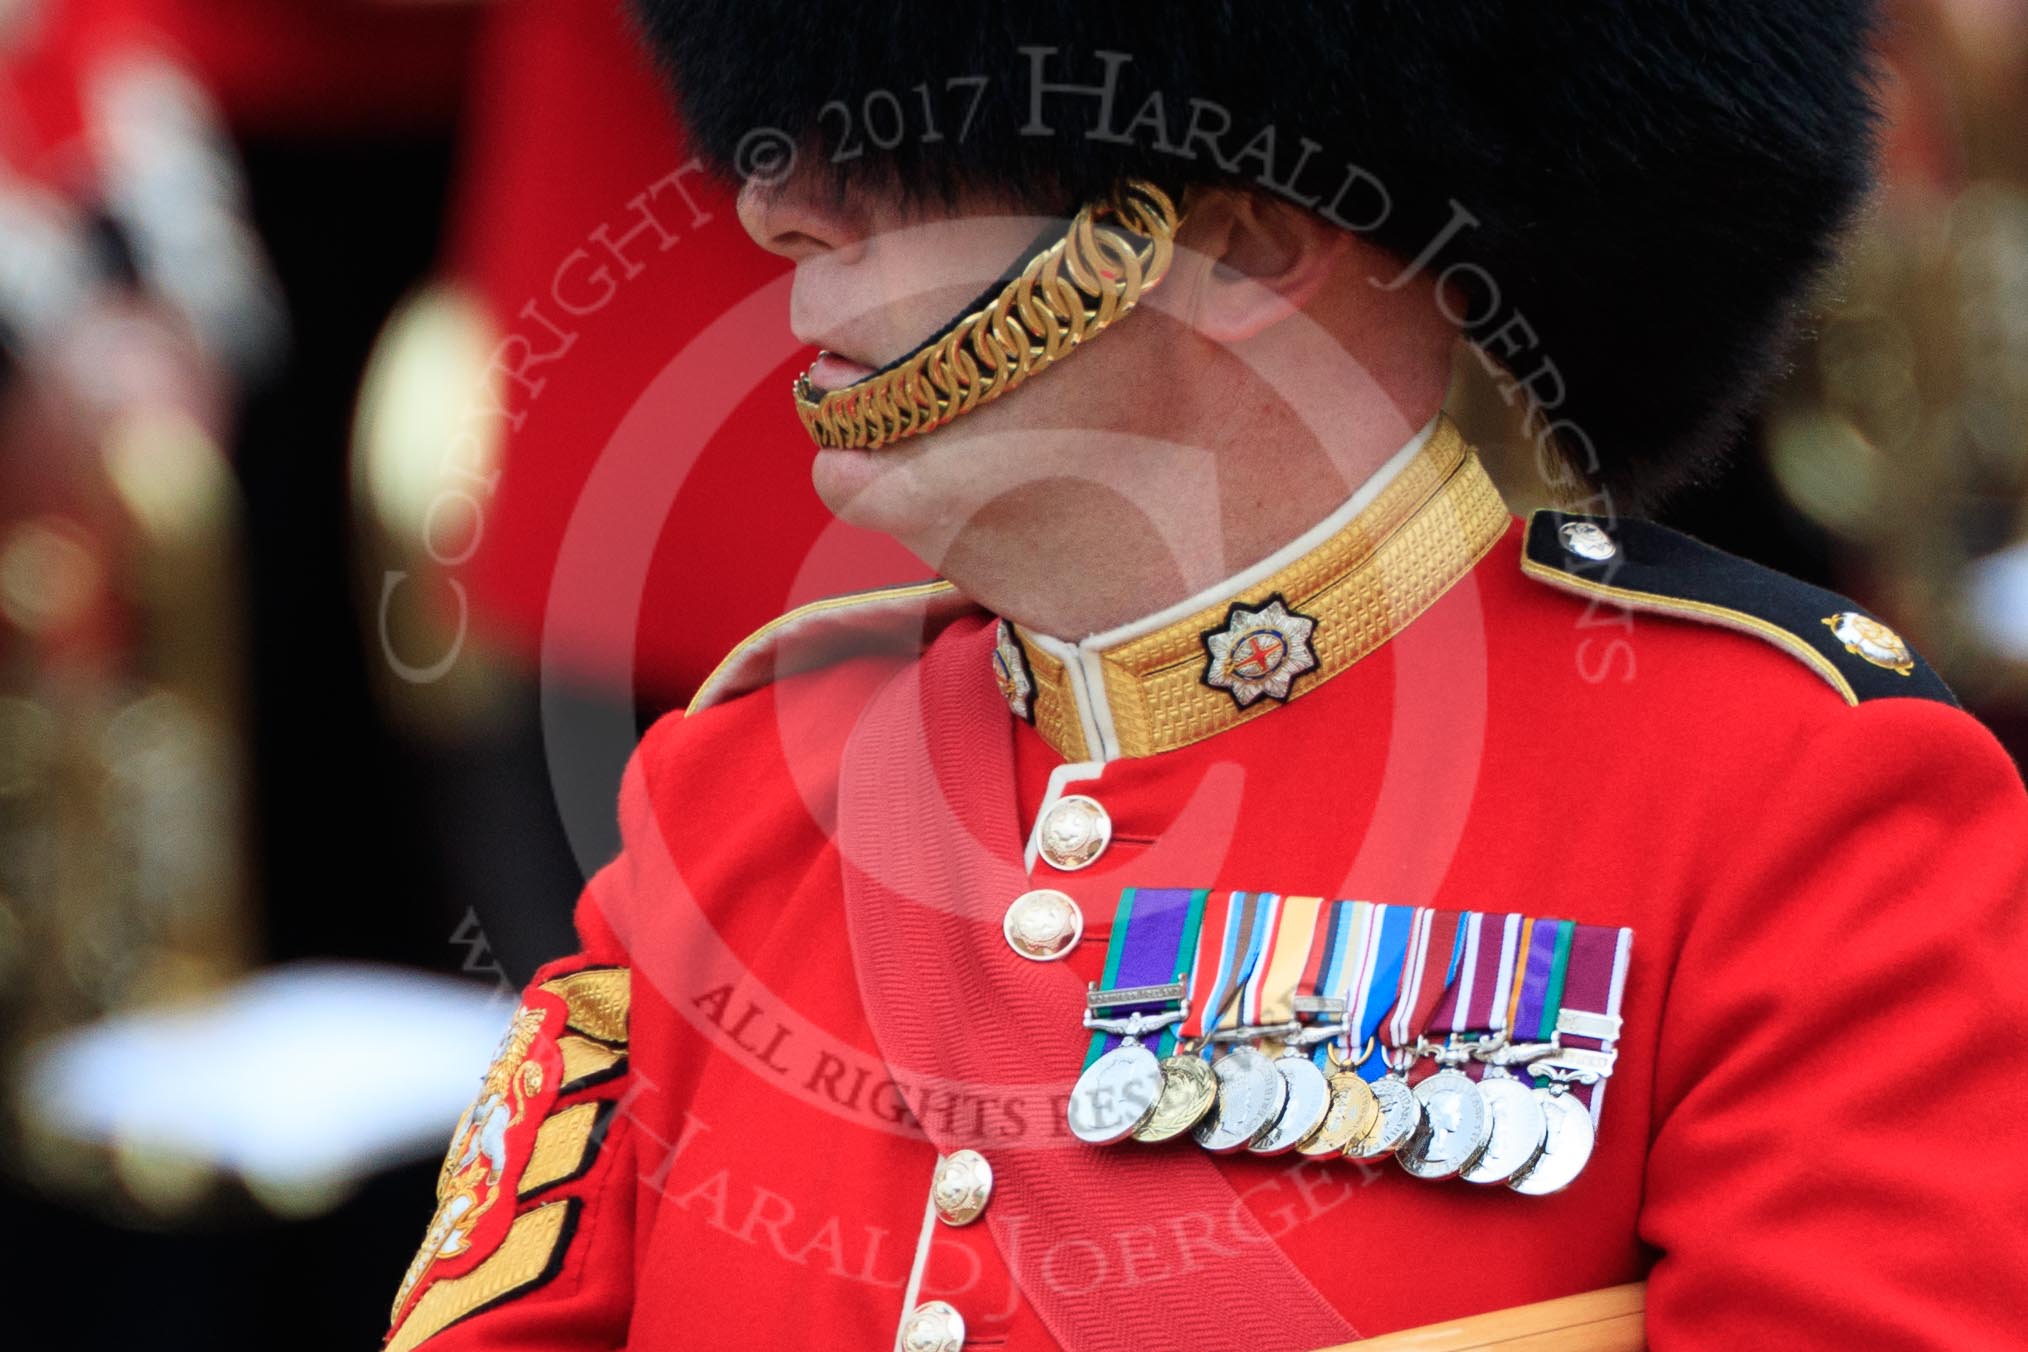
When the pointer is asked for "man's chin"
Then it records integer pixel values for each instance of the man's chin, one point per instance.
(873, 490)
(841, 475)
(920, 488)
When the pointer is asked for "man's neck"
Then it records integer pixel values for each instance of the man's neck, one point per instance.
(1268, 565)
(1113, 557)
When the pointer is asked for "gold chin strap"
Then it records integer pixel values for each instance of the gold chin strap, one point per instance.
(1113, 252)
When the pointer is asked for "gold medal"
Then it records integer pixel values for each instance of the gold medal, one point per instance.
(1353, 1112)
(1188, 1091)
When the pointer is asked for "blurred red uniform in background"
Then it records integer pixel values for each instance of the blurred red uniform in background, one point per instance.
(601, 259)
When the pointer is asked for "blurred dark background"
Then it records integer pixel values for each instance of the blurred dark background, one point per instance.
(320, 316)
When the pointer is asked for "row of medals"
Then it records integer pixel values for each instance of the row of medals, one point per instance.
(1494, 1130)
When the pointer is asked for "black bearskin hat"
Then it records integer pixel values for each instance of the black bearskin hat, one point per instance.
(1636, 194)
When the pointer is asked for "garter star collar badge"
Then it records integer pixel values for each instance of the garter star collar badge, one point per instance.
(1866, 637)
(1259, 652)
(1010, 669)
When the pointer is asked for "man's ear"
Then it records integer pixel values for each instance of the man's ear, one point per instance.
(1268, 259)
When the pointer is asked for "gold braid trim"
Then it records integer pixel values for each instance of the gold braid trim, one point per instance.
(1075, 289)
(1362, 586)
(584, 1058)
(561, 1144)
(522, 1261)
(596, 1000)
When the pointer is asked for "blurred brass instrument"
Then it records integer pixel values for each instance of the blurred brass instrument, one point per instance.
(123, 875)
(1904, 431)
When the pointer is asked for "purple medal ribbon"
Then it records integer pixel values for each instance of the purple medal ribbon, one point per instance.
(1154, 943)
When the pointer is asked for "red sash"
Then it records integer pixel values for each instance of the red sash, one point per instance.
(928, 827)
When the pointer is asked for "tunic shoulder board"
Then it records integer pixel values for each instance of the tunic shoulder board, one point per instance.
(1646, 567)
(899, 620)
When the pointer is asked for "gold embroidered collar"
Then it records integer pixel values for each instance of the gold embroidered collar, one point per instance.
(1270, 640)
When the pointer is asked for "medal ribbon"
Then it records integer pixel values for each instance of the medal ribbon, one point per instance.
(1538, 995)
(1436, 947)
(1595, 978)
(1228, 948)
(1499, 945)
(1154, 943)
(1378, 982)
(1411, 974)
(1334, 963)
(1291, 943)
(1452, 1012)
(1259, 945)
(1207, 970)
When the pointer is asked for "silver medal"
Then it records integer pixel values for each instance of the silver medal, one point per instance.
(1568, 1148)
(1459, 1124)
(1116, 1094)
(1251, 1096)
(1309, 1100)
(1520, 1130)
(1401, 1121)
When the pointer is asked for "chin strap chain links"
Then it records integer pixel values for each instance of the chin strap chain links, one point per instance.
(1113, 252)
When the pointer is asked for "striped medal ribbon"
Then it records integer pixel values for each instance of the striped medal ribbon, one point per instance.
(1251, 1092)
(1286, 1005)
(1429, 949)
(1377, 984)
(1571, 982)
(1188, 1086)
(1519, 1128)
(1141, 994)
(1456, 1120)
(1332, 980)
(1148, 962)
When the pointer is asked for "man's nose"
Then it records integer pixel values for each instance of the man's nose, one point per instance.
(798, 219)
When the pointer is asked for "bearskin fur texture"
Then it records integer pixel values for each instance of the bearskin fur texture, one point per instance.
(1651, 185)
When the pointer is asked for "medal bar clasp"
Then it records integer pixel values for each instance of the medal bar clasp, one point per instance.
(1583, 1023)
(1318, 1004)
(1095, 999)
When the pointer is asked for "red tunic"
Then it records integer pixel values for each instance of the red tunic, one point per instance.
(1809, 1139)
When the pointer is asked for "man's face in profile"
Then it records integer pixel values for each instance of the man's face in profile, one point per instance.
(875, 278)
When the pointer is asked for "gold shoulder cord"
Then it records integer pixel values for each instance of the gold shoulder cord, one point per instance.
(1113, 252)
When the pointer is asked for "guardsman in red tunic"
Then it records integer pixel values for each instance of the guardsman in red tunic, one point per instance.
(1261, 894)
